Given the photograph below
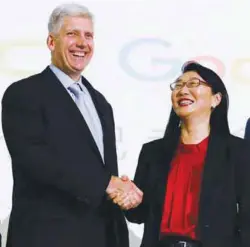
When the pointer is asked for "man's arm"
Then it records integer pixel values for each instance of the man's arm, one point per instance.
(25, 134)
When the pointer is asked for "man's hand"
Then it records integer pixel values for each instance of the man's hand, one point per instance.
(124, 192)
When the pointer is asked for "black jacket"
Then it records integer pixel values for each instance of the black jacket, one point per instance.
(225, 184)
(59, 177)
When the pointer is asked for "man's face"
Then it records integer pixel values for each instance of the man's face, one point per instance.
(72, 47)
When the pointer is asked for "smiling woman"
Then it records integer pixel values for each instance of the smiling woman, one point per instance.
(195, 177)
(193, 98)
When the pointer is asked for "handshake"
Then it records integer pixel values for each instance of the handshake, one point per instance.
(123, 192)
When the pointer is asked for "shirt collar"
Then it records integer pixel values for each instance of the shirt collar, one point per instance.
(64, 78)
(199, 147)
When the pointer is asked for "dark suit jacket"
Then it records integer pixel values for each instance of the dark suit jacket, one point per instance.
(59, 177)
(247, 130)
(225, 183)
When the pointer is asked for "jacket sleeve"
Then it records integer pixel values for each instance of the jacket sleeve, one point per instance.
(25, 135)
(139, 214)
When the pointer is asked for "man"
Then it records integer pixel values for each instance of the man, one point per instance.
(60, 134)
(247, 130)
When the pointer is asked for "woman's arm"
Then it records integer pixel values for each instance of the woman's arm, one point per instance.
(139, 214)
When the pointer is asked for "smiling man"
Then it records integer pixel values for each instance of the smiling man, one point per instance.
(60, 134)
(72, 45)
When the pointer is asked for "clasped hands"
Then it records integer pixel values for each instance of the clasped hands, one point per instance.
(123, 192)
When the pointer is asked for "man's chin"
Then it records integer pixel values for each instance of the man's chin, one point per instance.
(79, 68)
(76, 70)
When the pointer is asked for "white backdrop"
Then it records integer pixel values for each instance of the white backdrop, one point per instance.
(140, 47)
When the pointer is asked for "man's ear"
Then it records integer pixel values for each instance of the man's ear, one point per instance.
(51, 42)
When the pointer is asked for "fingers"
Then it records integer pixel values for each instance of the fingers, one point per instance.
(128, 200)
(126, 205)
(123, 192)
(120, 198)
(124, 178)
(138, 191)
(113, 195)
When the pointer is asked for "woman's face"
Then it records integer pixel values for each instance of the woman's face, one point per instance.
(194, 98)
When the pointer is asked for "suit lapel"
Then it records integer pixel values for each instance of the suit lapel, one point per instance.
(213, 173)
(105, 119)
(62, 100)
(162, 164)
(169, 145)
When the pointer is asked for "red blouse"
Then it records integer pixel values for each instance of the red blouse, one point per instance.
(180, 212)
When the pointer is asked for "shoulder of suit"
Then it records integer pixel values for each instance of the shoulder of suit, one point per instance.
(239, 145)
(21, 87)
(153, 152)
(237, 140)
(240, 151)
(153, 145)
(25, 81)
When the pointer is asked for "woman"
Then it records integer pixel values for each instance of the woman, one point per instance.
(195, 179)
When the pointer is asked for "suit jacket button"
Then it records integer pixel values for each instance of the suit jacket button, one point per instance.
(206, 226)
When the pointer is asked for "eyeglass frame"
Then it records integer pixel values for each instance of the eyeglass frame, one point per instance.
(200, 82)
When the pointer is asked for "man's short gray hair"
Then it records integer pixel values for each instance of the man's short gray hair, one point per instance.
(61, 11)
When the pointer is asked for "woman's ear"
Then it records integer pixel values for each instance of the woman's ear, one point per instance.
(216, 100)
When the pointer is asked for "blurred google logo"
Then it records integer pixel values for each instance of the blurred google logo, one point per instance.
(158, 65)
(144, 59)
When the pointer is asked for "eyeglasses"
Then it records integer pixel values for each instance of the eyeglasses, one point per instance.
(192, 83)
